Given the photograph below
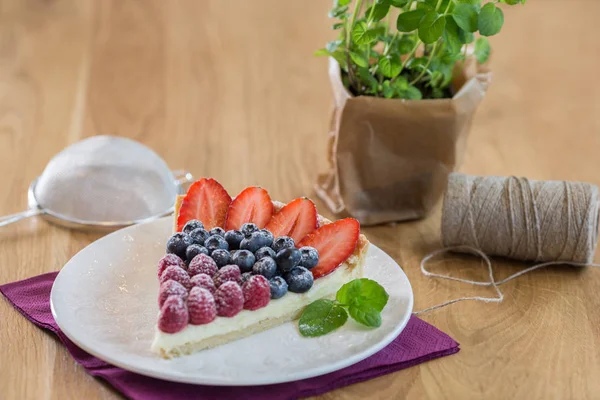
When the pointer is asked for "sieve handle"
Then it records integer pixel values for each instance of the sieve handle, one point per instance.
(183, 177)
(9, 219)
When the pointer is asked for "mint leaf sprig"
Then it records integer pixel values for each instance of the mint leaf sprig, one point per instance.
(364, 299)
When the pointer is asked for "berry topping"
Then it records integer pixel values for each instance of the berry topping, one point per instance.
(265, 252)
(257, 240)
(288, 259)
(283, 242)
(206, 201)
(173, 315)
(243, 259)
(309, 257)
(296, 220)
(221, 257)
(299, 280)
(203, 281)
(178, 243)
(167, 260)
(266, 267)
(201, 306)
(202, 264)
(177, 274)
(229, 299)
(229, 273)
(279, 287)
(268, 237)
(193, 250)
(248, 229)
(215, 242)
(253, 204)
(245, 276)
(334, 242)
(234, 238)
(217, 231)
(170, 288)
(257, 292)
(191, 225)
(199, 236)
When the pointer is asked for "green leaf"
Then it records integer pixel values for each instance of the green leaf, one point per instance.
(337, 12)
(491, 19)
(340, 3)
(359, 59)
(333, 45)
(405, 45)
(450, 36)
(410, 20)
(465, 37)
(363, 291)
(366, 315)
(389, 67)
(388, 90)
(339, 25)
(367, 79)
(321, 52)
(513, 2)
(470, 1)
(395, 3)
(482, 49)
(411, 93)
(379, 12)
(321, 317)
(466, 16)
(431, 27)
(400, 84)
(361, 34)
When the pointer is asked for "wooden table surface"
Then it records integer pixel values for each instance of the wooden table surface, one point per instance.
(230, 89)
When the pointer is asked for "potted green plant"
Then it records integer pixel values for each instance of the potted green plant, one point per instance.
(407, 77)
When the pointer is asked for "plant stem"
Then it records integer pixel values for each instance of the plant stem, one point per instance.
(426, 65)
(349, 43)
(410, 55)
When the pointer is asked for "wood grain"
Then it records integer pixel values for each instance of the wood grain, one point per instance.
(230, 89)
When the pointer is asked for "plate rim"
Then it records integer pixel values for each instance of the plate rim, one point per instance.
(174, 377)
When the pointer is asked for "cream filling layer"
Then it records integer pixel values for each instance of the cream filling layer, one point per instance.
(324, 287)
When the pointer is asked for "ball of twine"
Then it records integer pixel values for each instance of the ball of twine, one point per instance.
(548, 222)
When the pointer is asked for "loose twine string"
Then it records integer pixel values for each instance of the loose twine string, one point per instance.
(548, 222)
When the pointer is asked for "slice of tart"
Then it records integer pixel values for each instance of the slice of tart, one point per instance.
(236, 267)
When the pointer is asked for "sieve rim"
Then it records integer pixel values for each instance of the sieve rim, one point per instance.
(63, 220)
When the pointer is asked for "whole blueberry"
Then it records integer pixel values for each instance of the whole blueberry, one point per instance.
(248, 228)
(191, 225)
(243, 259)
(178, 244)
(266, 267)
(217, 231)
(282, 242)
(288, 259)
(256, 240)
(245, 276)
(199, 236)
(234, 238)
(221, 257)
(309, 257)
(299, 280)
(268, 236)
(265, 252)
(215, 242)
(279, 287)
(193, 250)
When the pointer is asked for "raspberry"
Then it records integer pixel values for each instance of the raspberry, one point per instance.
(171, 288)
(201, 306)
(202, 264)
(229, 299)
(167, 260)
(177, 274)
(257, 292)
(203, 281)
(173, 315)
(227, 273)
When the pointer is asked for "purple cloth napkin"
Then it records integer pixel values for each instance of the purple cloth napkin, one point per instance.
(418, 342)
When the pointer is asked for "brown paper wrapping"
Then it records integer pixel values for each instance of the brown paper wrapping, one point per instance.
(389, 159)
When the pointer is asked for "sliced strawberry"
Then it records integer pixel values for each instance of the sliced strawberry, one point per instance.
(335, 242)
(252, 205)
(207, 201)
(296, 220)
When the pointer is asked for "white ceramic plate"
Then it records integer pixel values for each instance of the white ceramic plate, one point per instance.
(104, 300)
